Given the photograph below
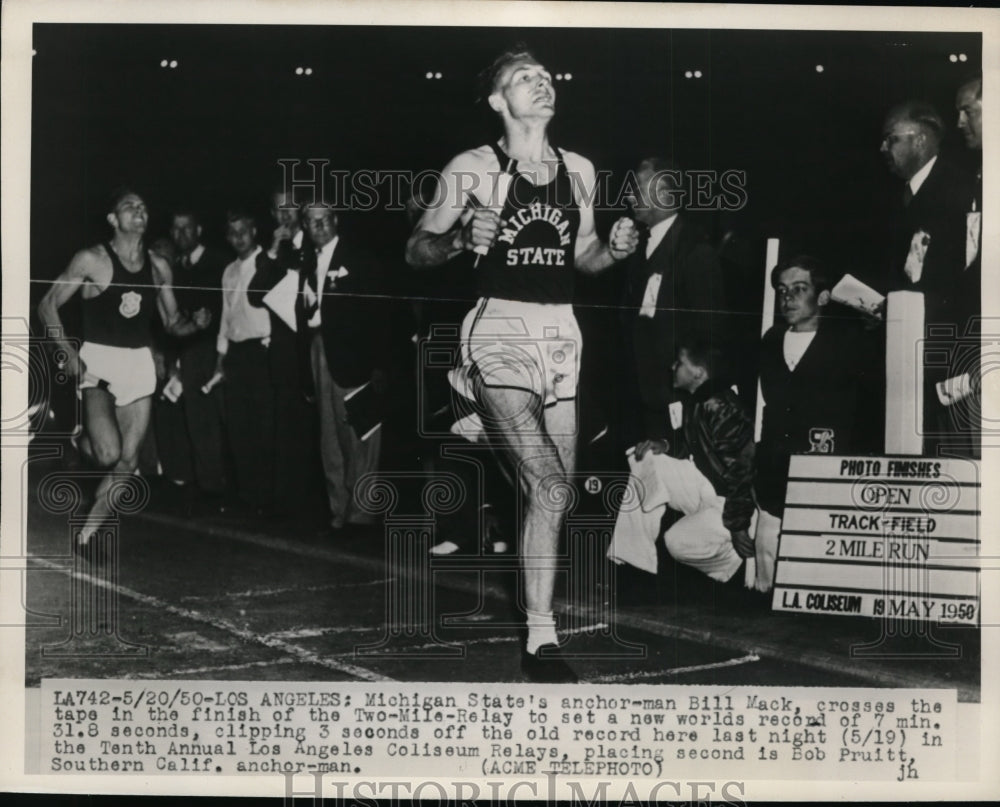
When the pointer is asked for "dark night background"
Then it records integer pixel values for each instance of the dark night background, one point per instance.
(211, 131)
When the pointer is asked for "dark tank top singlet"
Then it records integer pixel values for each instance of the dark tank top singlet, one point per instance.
(121, 315)
(532, 257)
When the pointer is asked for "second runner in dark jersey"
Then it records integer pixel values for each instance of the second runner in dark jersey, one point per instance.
(122, 314)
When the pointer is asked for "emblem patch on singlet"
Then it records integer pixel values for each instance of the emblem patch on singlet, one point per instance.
(131, 303)
(820, 441)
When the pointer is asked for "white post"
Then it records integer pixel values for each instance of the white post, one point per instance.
(904, 372)
(766, 321)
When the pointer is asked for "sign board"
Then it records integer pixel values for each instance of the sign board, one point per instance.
(892, 537)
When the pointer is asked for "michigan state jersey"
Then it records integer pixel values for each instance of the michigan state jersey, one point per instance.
(531, 259)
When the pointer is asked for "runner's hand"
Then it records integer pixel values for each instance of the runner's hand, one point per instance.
(624, 238)
(481, 229)
(73, 366)
(160, 365)
(202, 318)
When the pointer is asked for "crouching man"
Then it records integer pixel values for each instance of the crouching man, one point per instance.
(704, 471)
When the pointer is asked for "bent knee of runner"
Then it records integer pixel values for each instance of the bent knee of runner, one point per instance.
(128, 461)
(86, 447)
(106, 453)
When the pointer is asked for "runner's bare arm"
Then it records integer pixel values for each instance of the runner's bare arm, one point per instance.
(222, 337)
(173, 320)
(591, 254)
(80, 270)
(440, 234)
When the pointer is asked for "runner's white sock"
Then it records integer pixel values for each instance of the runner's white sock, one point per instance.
(541, 629)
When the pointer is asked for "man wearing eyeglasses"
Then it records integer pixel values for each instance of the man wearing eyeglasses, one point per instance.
(818, 376)
(928, 226)
(927, 231)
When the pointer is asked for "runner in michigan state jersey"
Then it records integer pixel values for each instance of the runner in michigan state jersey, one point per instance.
(523, 206)
(531, 258)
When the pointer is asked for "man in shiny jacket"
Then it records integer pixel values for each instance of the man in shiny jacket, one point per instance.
(705, 471)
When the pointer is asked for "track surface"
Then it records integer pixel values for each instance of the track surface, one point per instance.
(224, 598)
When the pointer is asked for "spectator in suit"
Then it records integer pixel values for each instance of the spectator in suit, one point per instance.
(928, 223)
(166, 453)
(966, 416)
(199, 288)
(294, 431)
(817, 376)
(926, 233)
(969, 104)
(340, 329)
(674, 282)
(288, 237)
(242, 359)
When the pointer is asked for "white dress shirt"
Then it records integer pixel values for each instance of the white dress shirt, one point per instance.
(652, 293)
(795, 346)
(918, 178)
(240, 320)
(656, 233)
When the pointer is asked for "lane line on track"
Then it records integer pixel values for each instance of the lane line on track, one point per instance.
(246, 665)
(246, 635)
(470, 642)
(312, 633)
(621, 678)
(273, 592)
(655, 625)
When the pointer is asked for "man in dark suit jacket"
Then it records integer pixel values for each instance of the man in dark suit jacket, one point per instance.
(198, 281)
(342, 330)
(927, 233)
(969, 105)
(927, 224)
(295, 455)
(674, 285)
(965, 415)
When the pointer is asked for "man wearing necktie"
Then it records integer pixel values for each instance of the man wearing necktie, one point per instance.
(927, 232)
(294, 423)
(674, 289)
(342, 330)
(928, 225)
